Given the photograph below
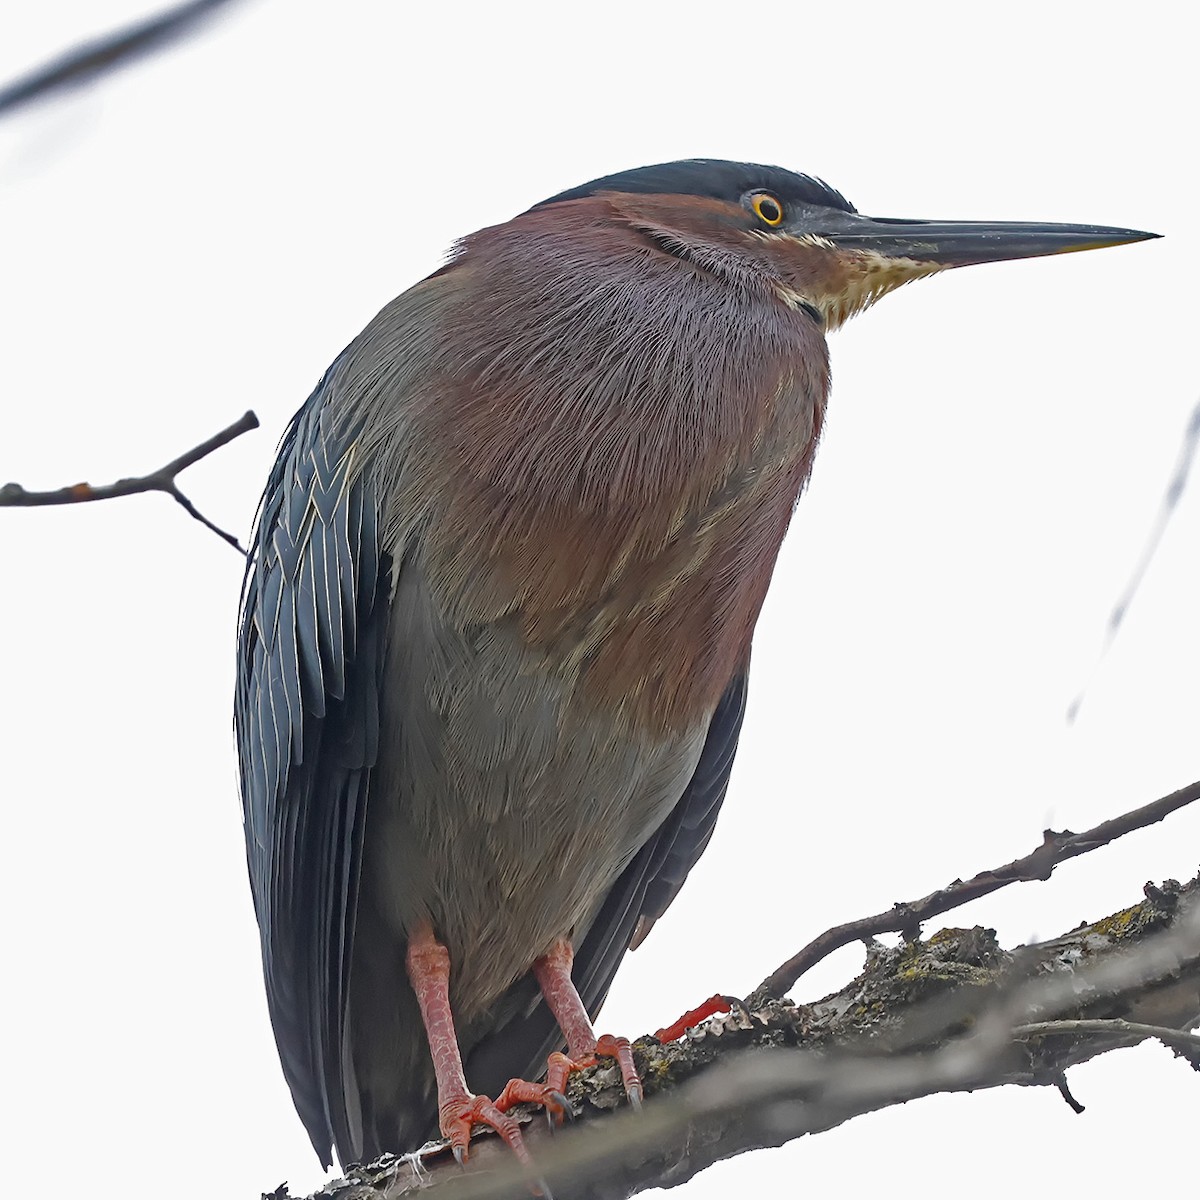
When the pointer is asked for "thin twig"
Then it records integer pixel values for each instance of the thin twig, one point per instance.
(85, 63)
(1175, 1039)
(906, 918)
(13, 495)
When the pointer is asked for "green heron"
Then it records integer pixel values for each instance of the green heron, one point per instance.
(496, 629)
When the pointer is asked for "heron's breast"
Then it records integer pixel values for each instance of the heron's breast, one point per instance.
(504, 804)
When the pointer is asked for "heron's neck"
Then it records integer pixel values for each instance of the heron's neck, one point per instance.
(600, 372)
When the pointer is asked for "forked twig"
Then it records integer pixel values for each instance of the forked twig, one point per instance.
(13, 495)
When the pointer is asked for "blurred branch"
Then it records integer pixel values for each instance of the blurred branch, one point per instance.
(906, 918)
(952, 1013)
(13, 495)
(1166, 510)
(86, 63)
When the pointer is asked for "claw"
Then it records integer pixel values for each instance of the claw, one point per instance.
(634, 1093)
(460, 1154)
(563, 1103)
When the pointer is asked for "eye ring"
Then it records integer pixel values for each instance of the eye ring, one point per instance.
(767, 208)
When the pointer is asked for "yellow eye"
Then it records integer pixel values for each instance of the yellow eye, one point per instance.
(767, 208)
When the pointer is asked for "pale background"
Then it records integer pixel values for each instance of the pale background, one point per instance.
(201, 234)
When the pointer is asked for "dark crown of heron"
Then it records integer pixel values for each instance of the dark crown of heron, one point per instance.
(716, 178)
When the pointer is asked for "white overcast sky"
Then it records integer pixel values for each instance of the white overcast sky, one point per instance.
(201, 234)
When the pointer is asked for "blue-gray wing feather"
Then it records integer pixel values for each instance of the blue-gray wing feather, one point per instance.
(310, 655)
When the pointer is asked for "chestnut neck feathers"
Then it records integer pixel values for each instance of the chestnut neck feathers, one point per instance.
(630, 424)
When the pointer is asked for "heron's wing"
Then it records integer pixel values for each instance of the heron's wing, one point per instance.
(310, 655)
(640, 896)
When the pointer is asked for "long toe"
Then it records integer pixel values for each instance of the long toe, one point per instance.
(620, 1049)
(521, 1091)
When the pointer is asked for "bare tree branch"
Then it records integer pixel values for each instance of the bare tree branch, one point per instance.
(952, 1013)
(906, 918)
(13, 495)
(85, 63)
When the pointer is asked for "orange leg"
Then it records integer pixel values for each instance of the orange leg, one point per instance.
(428, 964)
(710, 1007)
(553, 972)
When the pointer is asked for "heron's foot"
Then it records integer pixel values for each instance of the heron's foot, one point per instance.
(459, 1116)
(690, 1019)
